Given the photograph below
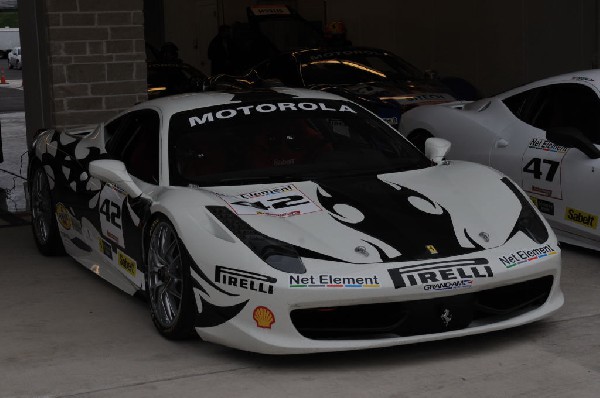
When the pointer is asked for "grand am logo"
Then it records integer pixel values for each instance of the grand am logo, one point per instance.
(434, 274)
(461, 284)
(582, 218)
(525, 256)
(267, 108)
(64, 216)
(327, 280)
(545, 145)
(127, 263)
(245, 279)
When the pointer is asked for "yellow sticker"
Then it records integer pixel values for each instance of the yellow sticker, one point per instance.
(64, 216)
(127, 263)
(582, 218)
(431, 249)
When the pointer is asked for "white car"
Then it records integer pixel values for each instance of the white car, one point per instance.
(14, 59)
(291, 221)
(544, 135)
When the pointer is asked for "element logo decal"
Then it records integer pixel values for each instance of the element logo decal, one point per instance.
(127, 263)
(326, 280)
(264, 317)
(525, 256)
(545, 145)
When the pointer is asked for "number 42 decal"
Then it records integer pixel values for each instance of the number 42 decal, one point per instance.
(112, 212)
(534, 166)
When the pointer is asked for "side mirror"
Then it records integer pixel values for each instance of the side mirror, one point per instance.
(572, 137)
(436, 149)
(114, 172)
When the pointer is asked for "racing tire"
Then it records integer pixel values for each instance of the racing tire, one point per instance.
(43, 221)
(169, 283)
(418, 138)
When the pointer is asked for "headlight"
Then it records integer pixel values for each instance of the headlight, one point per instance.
(529, 222)
(279, 255)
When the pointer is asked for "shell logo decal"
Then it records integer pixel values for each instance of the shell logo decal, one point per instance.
(64, 216)
(264, 317)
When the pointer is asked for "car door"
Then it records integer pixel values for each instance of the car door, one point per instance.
(121, 218)
(561, 181)
(577, 175)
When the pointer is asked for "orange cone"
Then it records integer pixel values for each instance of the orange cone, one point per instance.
(2, 78)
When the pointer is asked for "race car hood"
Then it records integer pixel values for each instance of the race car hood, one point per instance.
(403, 93)
(429, 213)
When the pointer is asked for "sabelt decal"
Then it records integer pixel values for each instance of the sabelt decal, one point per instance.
(105, 248)
(64, 216)
(264, 317)
(525, 256)
(333, 281)
(582, 218)
(284, 201)
(248, 110)
(127, 263)
(245, 279)
(434, 273)
(544, 206)
(545, 145)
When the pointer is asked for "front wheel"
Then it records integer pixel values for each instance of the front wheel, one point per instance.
(169, 283)
(43, 221)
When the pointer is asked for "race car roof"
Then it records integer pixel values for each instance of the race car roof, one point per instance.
(178, 103)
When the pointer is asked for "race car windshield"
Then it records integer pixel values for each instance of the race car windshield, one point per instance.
(289, 140)
(353, 67)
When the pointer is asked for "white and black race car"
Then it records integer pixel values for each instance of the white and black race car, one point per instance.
(292, 221)
(544, 135)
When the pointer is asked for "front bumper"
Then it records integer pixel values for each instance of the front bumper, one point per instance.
(284, 333)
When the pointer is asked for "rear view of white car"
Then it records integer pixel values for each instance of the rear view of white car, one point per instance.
(14, 59)
(544, 135)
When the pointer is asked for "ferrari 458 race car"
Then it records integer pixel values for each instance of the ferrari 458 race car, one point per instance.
(380, 81)
(292, 221)
(545, 136)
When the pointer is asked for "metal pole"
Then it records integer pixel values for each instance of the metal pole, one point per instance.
(1, 155)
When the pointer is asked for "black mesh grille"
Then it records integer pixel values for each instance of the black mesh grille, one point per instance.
(421, 316)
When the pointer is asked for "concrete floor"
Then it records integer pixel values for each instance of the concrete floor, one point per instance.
(65, 333)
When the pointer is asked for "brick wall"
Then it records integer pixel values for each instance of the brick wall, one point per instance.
(96, 59)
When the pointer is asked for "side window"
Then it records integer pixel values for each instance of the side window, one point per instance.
(571, 105)
(136, 143)
(523, 105)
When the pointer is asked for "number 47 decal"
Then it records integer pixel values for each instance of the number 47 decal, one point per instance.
(534, 166)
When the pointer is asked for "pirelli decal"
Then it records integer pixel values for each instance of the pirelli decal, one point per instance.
(440, 271)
